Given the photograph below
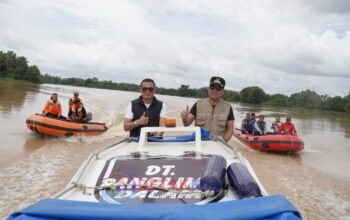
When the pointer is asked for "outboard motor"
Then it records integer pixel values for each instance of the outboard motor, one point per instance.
(89, 116)
(242, 182)
(213, 179)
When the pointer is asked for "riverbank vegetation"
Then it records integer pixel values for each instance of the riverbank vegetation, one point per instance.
(14, 67)
(7, 80)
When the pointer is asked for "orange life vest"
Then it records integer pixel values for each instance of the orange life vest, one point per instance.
(72, 100)
(287, 128)
(53, 108)
(78, 112)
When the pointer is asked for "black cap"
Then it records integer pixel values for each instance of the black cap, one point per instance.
(54, 94)
(218, 81)
(76, 93)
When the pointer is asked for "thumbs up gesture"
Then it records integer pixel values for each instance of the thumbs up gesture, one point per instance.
(185, 112)
(143, 120)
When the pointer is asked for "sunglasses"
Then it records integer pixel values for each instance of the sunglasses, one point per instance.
(216, 88)
(147, 89)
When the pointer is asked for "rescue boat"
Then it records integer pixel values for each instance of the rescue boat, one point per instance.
(179, 177)
(272, 142)
(60, 127)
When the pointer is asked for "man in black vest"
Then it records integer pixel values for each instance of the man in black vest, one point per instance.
(145, 111)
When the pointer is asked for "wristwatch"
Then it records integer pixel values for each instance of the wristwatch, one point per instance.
(136, 123)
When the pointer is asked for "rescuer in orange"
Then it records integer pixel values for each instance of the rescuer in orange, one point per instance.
(288, 127)
(73, 99)
(77, 112)
(53, 107)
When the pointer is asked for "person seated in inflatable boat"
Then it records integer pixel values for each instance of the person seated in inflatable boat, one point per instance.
(214, 114)
(260, 125)
(53, 107)
(77, 112)
(252, 117)
(276, 125)
(72, 100)
(144, 111)
(288, 127)
(247, 126)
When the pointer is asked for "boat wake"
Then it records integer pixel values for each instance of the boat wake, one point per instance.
(44, 172)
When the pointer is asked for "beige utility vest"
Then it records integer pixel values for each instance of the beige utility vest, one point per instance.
(212, 118)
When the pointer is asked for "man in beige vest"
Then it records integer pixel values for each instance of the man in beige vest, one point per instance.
(213, 113)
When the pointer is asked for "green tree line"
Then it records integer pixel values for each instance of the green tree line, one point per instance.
(306, 99)
(183, 90)
(15, 67)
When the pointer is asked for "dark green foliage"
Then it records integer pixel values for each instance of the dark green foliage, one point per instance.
(308, 99)
(231, 96)
(33, 74)
(336, 104)
(347, 105)
(90, 82)
(203, 92)
(185, 91)
(253, 95)
(164, 91)
(15, 67)
(277, 100)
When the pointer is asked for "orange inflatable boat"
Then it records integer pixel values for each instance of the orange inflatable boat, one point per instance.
(273, 143)
(60, 127)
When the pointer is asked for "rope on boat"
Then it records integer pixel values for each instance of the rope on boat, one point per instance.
(82, 187)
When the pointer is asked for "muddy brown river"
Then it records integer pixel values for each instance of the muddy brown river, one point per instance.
(317, 180)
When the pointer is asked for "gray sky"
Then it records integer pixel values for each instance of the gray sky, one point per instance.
(281, 46)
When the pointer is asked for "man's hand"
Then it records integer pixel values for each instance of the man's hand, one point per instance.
(185, 113)
(187, 117)
(143, 120)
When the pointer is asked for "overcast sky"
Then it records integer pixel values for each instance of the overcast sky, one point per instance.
(280, 46)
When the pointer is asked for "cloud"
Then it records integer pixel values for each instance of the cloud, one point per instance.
(337, 7)
(282, 48)
(322, 55)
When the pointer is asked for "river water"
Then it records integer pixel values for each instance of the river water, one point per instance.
(316, 180)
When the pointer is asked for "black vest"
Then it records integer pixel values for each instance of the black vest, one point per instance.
(153, 112)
